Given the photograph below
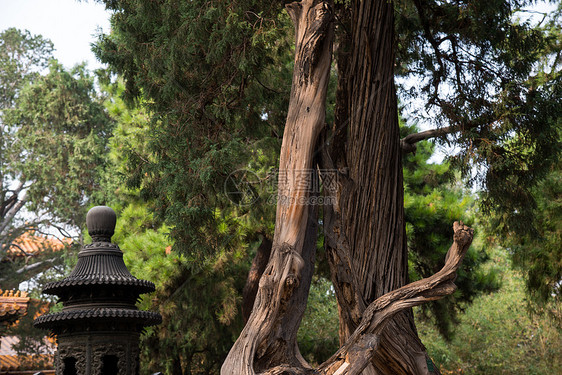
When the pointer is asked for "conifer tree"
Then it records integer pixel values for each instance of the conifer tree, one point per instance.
(216, 80)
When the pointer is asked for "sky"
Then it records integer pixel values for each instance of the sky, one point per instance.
(70, 24)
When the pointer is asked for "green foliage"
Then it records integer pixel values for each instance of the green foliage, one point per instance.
(22, 57)
(318, 334)
(216, 79)
(495, 335)
(500, 84)
(146, 246)
(199, 301)
(432, 202)
(527, 217)
(53, 146)
(61, 130)
(539, 254)
(200, 305)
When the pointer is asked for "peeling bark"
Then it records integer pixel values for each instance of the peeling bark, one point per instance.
(364, 225)
(269, 338)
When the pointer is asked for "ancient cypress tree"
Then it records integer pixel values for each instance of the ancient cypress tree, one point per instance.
(203, 64)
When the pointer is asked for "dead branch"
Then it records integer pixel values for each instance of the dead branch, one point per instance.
(356, 353)
(36, 265)
(408, 143)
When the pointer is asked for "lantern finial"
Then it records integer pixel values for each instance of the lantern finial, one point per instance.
(101, 223)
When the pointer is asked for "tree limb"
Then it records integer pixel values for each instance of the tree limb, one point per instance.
(34, 266)
(61, 230)
(9, 203)
(269, 338)
(408, 143)
(355, 354)
(7, 219)
(20, 249)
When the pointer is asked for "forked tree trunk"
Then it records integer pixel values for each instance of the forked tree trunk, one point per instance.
(364, 224)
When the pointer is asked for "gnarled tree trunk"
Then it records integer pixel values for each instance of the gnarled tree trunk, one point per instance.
(269, 337)
(365, 229)
(363, 219)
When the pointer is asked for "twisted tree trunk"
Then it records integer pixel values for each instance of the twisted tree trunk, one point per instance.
(269, 337)
(365, 228)
(363, 217)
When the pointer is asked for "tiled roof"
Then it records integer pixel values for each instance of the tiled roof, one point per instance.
(146, 318)
(13, 304)
(12, 363)
(29, 245)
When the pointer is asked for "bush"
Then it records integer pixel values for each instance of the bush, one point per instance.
(496, 334)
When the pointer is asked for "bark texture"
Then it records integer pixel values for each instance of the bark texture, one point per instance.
(364, 228)
(269, 338)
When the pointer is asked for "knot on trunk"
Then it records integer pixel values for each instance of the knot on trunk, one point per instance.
(292, 271)
(462, 234)
(292, 281)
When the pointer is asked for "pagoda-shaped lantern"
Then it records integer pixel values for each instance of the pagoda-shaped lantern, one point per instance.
(99, 325)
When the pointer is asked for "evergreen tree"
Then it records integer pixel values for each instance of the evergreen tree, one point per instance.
(203, 67)
(537, 253)
(200, 302)
(222, 89)
(532, 233)
(53, 143)
(54, 133)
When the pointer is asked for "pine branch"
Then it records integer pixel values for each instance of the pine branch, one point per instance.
(20, 249)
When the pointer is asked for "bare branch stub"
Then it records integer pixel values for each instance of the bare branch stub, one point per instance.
(356, 353)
